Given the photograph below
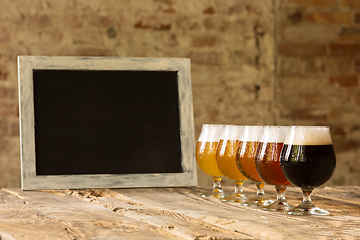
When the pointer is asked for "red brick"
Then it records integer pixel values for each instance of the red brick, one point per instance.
(357, 98)
(170, 10)
(350, 34)
(4, 146)
(40, 21)
(4, 35)
(340, 49)
(7, 109)
(338, 131)
(350, 3)
(342, 145)
(347, 81)
(357, 66)
(325, 99)
(158, 26)
(14, 129)
(302, 49)
(206, 58)
(357, 18)
(237, 8)
(9, 128)
(94, 52)
(328, 17)
(305, 114)
(209, 24)
(4, 127)
(204, 41)
(168, 2)
(296, 17)
(4, 72)
(187, 23)
(209, 10)
(7, 92)
(314, 3)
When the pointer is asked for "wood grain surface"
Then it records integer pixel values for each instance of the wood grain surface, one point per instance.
(171, 213)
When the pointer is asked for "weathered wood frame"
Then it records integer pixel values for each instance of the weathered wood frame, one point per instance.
(31, 181)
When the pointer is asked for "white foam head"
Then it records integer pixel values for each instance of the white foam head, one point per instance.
(274, 134)
(231, 132)
(251, 133)
(210, 132)
(308, 135)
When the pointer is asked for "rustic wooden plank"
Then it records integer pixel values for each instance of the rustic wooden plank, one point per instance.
(253, 221)
(176, 224)
(170, 213)
(43, 215)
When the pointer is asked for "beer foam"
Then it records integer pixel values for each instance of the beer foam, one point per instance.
(251, 133)
(308, 135)
(274, 134)
(231, 132)
(210, 132)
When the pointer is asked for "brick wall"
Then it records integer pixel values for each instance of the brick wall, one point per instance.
(318, 54)
(253, 61)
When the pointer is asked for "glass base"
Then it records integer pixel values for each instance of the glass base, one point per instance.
(307, 211)
(235, 198)
(280, 206)
(257, 202)
(213, 193)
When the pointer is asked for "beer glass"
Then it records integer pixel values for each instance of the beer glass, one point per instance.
(245, 159)
(226, 161)
(267, 162)
(308, 161)
(206, 157)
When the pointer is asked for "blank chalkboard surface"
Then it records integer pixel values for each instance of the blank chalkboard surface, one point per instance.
(105, 122)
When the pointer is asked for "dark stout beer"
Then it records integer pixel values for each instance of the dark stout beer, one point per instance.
(308, 166)
(308, 161)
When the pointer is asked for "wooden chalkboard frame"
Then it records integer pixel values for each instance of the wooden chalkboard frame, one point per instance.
(31, 181)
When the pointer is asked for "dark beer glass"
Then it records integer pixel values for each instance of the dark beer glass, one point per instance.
(267, 162)
(308, 161)
(245, 160)
(206, 157)
(226, 161)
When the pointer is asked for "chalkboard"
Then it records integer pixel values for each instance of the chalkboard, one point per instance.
(105, 122)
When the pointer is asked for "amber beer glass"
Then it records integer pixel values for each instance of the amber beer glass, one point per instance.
(267, 162)
(226, 161)
(308, 161)
(206, 157)
(245, 159)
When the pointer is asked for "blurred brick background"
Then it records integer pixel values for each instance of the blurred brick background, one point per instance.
(288, 62)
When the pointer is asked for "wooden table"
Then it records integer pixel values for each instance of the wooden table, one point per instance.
(170, 213)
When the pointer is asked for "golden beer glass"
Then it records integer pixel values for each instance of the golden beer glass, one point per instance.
(267, 162)
(245, 159)
(226, 161)
(206, 157)
(308, 160)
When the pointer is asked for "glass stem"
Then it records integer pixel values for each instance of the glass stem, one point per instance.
(307, 197)
(280, 193)
(260, 193)
(217, 184)
(238, 188)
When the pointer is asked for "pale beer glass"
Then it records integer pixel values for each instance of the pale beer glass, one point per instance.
(267, 162)
(226, 161)
(308, 161)
(206, 157)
